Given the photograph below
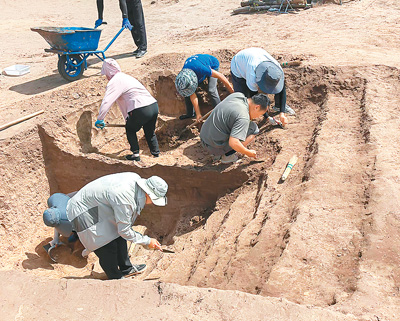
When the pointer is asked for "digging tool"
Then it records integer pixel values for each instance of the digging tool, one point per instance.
(19, 120)
(167, 251)
(152, 279)
(292, 162)
(195, 123)
(48, 247)
(115, 125)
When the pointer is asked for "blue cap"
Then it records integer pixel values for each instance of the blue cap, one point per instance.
(52, 217)
(269, 77)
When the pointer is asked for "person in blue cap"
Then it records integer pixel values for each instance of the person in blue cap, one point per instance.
(132, 19)
(195, 70)
(254, 69)
(56, 216)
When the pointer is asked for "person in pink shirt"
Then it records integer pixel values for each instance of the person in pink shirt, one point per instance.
(138, 107)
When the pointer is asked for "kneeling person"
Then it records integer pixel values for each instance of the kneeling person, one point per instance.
(229, 128)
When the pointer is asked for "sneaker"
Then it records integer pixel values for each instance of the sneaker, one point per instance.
(229, 159)
(288, 110)
(132, 158)
(136, 269)
(185, 116)
(141, 53)
(135, 52)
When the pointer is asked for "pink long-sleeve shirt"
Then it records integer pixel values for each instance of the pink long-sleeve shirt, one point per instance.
(128, 92)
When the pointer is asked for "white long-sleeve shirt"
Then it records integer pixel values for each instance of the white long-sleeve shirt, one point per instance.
(106, 208)
(128, 92)
(245, 62)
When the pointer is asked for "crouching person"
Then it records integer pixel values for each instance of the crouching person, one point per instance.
(103, 212)
(56, 216)
(229, 128)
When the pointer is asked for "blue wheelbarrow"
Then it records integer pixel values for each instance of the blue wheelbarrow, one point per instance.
(73, 45)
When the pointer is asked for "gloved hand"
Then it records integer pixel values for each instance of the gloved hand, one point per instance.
(126, 24)
(98, 23)
(100, 124)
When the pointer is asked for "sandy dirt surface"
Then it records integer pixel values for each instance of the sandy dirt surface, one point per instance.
(323, 245)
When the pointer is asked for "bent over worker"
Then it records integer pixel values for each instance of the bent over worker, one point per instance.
(195, 70)
(132, 19)
(103, 212)
(229, 128)
(138, 107)
(253, 69)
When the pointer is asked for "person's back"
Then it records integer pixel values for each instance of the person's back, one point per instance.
(229, 118)
(92, 210)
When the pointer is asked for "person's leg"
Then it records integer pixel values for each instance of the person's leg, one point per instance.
(251, 135)
(108, 259)
(149, 128)
(213, 91)
(132, 126)
(239, 85)
(136, 18)
(189, 109)
(124, 263)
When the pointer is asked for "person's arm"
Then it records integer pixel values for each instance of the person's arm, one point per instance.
(223, 79)
(237, 145)
(56, 238)
(124, 8)
(123, 214)
(100, 9)
(195, 102)
(111, 95)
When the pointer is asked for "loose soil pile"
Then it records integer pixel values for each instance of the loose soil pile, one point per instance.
(323, 245)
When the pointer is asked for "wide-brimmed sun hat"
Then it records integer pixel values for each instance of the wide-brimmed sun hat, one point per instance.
(186, 82)
(156, 188)
(269, 77)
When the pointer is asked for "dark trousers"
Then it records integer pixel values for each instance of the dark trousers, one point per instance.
(239, 85)
(145, 117)
(136, 18)
(114, 258)
(212, 93)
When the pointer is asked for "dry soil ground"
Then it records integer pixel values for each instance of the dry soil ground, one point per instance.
(321, 246)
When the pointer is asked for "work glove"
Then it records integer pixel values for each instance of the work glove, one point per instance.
(98, 23)
(100, 124)
(126, 24)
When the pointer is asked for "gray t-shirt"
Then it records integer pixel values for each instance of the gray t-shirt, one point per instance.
(229, 118)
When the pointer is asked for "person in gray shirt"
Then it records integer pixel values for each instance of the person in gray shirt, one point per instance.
(229, 128)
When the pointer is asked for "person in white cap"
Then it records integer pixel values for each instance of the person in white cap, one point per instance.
(253, 69)
(138, 107)
(103, 212)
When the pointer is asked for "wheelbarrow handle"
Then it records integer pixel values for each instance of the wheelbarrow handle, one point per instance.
(113, 39)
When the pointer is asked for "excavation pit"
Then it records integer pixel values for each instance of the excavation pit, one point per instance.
(229, 225)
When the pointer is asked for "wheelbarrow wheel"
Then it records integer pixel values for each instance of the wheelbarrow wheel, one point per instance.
(70, 71)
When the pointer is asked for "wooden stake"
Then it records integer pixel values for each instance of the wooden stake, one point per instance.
(21, 120)
(289, 167)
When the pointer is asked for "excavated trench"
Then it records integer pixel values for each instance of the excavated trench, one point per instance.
(231, 226)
